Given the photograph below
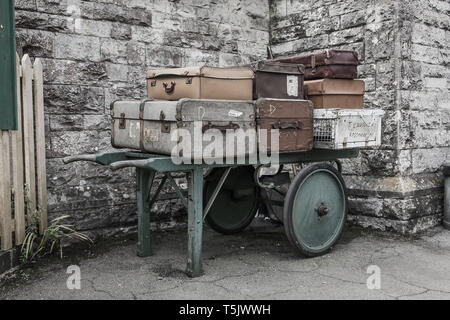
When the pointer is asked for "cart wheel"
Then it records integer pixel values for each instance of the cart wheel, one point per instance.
(236, 203)
(315, 209)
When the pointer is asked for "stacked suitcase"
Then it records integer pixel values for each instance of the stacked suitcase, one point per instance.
(277, 94)
(338, 97)
(264, 95)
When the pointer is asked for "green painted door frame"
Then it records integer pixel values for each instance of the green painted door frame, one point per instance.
(8, 97)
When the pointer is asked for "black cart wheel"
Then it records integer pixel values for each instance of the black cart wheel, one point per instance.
(236, 203)
(315, 209)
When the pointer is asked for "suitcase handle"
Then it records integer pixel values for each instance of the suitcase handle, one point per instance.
(287, 125)
(209, 125)
(167, 88)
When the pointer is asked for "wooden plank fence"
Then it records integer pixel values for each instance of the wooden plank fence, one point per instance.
(22, 157)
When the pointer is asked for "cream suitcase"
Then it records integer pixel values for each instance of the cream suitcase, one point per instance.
(150, 126)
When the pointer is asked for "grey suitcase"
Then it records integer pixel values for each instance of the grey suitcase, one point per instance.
(149, 126)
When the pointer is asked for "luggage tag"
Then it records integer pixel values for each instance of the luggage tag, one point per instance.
(292, 85)
(235, 113)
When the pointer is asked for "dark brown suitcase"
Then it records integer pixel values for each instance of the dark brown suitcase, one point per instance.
(293, 119)
(332, 64)
(278, 80)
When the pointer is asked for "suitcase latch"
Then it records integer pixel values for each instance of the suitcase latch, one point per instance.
(165, 126)
(122, 122)
(153, 83)
(189, 80)
(313, 64)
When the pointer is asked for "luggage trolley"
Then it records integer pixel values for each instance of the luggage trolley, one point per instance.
(313, 208)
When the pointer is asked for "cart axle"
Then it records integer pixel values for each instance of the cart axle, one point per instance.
(322, 210)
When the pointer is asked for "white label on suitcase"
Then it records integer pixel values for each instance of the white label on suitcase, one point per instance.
(151, 135)
(134, 129)
(235, 113)
(292, 86)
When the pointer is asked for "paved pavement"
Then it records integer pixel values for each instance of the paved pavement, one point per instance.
(256, 264)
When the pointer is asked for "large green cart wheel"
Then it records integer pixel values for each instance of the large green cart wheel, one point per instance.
(237, 201)
(315, 209)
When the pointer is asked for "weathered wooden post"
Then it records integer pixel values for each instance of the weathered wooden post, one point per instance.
(8, 116)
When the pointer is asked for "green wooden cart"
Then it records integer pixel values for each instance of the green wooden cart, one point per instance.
(315, 206)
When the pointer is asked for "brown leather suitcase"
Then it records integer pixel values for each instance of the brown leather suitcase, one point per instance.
(293, 119)
(332, 64)
(235, 83)
(335, 93)
(278, 80)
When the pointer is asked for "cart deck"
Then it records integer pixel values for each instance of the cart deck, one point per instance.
(148, 164)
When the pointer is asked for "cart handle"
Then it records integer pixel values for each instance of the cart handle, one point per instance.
(128, 163)
(81, 157)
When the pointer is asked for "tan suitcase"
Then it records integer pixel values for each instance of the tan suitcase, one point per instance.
(234, 83)
(335, 93)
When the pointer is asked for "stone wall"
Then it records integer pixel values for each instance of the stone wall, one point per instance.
(97, 51)
(404, 51)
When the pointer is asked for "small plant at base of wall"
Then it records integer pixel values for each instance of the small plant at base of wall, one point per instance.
(37, 245)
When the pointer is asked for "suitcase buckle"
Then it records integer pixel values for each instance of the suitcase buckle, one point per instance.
(165, 126)
(122, 122)
(313, 64)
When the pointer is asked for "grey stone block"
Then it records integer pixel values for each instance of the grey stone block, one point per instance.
(74, 72)
(78, 122)
(122, 14)
(397, 209)
(68, 143)
(353, 19)
(25, 4)
(73, 99)
(42, 21)
(74, 47)
(344, 7)
(36, 43)
(60, 7)
(101, 29)
(120, 31)
(403, 227)
(113, 51)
